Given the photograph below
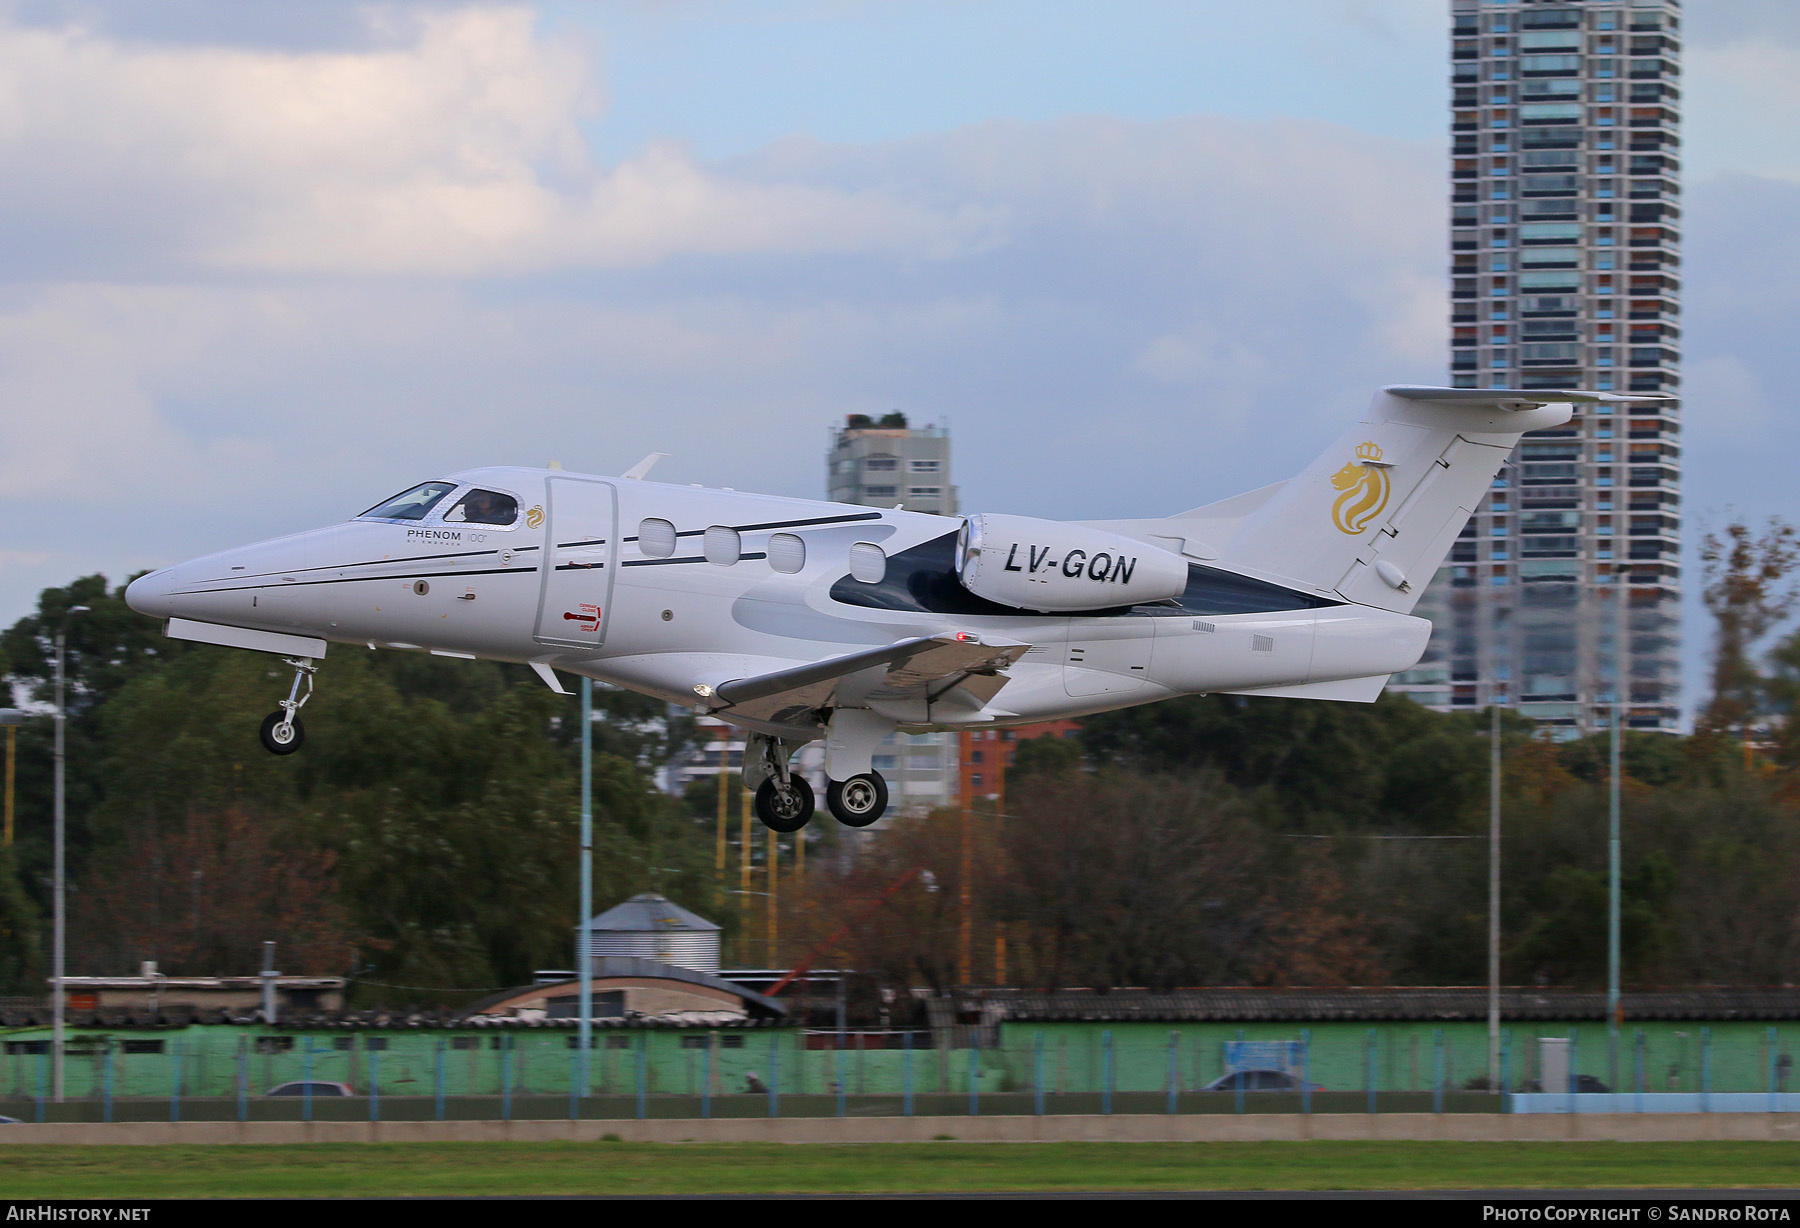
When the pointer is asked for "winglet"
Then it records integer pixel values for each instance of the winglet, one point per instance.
(642, 469)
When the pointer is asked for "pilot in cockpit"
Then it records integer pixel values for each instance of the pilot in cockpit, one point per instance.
(485, 507)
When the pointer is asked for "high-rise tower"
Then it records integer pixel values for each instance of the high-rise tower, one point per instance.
(1565, 273)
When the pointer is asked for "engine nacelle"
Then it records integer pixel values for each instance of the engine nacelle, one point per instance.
(1043, 565)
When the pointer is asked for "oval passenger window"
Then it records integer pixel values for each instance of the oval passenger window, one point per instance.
(656, 538)
(722, 545)
(787, 553)
(868, 563)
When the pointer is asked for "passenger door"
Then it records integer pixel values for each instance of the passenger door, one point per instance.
(580, 551)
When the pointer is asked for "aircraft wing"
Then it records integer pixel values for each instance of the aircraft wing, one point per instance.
(901, 680)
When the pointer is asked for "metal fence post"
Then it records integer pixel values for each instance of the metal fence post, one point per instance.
(1037, 1074)
(106, 1080)
(906, 1098)
(1106, 1070)
(643, 1075)
(1306, 1070)
(975, 1078)
(506, 1076)
(1174, 1073)
(1437, 1070)
(1706, 1070)
(706, 1061)
(1505, 1066)
(306, 1054)
(842, 1083)
(1773, 1044)
(774, 1076)
(1237, 1089)
(1369, 1068)
(1574, 1064)
(43, 1065)
(375, 1077)
(1637, 1070)
(243, 1078)
(175, 1086)
(437, 1078)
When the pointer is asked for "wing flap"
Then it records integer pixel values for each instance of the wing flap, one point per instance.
(918, 668)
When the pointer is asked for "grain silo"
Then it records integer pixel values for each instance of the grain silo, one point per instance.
(649, 926)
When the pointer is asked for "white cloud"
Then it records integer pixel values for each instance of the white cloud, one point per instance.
(454, 151)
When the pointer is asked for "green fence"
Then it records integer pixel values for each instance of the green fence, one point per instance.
(227, 1073)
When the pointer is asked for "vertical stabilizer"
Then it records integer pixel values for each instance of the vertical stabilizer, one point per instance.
(1372, 518)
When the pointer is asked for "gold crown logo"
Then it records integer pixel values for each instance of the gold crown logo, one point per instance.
(1369, 451)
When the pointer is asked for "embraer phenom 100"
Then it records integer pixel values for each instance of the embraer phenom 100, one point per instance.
(797, 620)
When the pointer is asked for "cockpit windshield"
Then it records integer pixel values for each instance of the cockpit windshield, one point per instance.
(483, 507)
(414, 504)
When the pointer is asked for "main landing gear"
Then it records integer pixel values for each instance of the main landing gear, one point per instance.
(784, 801)
(282, 733)
(859, 801)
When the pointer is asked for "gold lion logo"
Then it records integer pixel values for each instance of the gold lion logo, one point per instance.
(1365, 485)
(534, 518)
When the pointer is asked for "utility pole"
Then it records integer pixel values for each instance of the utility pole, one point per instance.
(1000, 853)
(1494, 893)
(746, 854)
(584, 960)
(772, 856)
(724, 783)
(965, 945)
(60, 882)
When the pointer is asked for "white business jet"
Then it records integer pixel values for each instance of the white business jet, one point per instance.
(795, 620)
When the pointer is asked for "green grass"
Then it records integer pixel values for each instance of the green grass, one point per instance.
(448, 1169)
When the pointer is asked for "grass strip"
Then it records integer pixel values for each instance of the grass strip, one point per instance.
(453, 1169)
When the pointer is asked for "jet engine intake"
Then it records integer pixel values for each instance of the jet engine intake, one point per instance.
(1045, 565)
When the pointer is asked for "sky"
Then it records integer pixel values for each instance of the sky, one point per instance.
(263, 264)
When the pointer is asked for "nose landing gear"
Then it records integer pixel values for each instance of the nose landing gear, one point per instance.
(281, 732)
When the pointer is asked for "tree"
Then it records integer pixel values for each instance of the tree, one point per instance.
(1747, 593)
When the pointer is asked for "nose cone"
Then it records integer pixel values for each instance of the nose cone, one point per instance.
(152, 593)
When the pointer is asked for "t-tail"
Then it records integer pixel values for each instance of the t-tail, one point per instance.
(1372, 519)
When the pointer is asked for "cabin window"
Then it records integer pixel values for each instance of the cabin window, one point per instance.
(414, 504)
(787, 553)
(484, 507)
(868, 563)
(722, 546)
(656, 538)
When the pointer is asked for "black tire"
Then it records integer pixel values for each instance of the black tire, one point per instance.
(788, 810)
(275, 747)
(859, 801)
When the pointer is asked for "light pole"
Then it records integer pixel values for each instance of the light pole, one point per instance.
(1621, 628)
(584, 1025)
(57, 890)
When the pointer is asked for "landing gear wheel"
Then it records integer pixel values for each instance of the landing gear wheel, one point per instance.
(282, 735)
(859, 801)
(784, 810)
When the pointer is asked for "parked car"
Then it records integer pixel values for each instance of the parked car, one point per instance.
(318, 1087)
(1583, 1083)
(1259, 1081)
(10, 1121)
